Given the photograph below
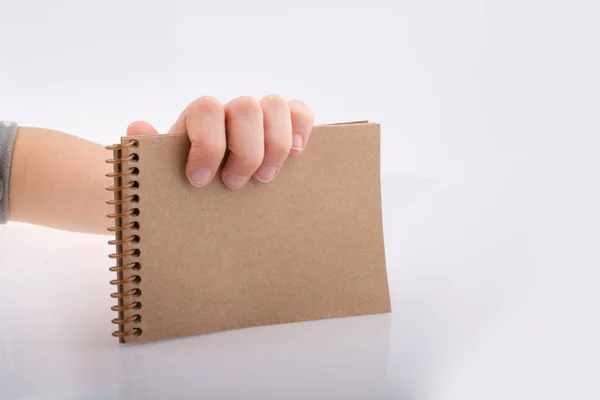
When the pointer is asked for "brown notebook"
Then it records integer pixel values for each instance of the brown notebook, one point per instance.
(307, 246)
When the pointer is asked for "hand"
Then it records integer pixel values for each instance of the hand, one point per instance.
(260, 136)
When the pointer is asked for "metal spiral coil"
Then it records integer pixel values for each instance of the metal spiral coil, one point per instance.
(124, 235)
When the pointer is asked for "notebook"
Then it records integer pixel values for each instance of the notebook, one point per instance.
(306, 246)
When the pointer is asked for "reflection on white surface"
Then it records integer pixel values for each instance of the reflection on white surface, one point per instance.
(56, 343)
(332, 358)
(325, 358)
(480, 281)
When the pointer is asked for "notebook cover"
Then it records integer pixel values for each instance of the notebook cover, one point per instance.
(307, 246)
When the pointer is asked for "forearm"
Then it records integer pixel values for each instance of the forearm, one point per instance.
(58, 180)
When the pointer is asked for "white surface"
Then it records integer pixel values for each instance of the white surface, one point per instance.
(489, 113)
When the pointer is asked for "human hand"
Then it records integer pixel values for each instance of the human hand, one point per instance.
(260, 135)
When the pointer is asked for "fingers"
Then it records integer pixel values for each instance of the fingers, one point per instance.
(138, 128)
(204, 122)
(302, 123)
(277, 136)
(245, 140)
(259, 136)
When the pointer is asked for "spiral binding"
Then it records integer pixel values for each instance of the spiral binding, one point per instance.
(124, 235)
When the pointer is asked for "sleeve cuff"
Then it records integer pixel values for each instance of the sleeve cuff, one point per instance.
(8, 132)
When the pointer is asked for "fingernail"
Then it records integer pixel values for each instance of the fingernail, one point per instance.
(235, 181)
(201, 176)
(297, 141)
(265, 174)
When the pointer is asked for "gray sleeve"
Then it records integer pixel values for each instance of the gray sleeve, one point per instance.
(8, 132)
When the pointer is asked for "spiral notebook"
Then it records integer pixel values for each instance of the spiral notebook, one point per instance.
(190, 261)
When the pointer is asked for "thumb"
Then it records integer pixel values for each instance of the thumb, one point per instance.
(138, 128)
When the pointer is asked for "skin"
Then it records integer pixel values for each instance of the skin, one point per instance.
(58, 180)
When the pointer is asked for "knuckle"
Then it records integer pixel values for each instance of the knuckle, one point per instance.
(273, 101)
(255, 161)
(307, 116)
(279, 146)
(301, 110)
(211, 147)
(252, 161)
(206, 105)
(249, 153)
(245, 106)
(207, 148)
(196, 154)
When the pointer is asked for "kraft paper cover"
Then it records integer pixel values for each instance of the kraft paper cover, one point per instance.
(307, 246)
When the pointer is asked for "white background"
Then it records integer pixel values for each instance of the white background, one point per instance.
(489, 111)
